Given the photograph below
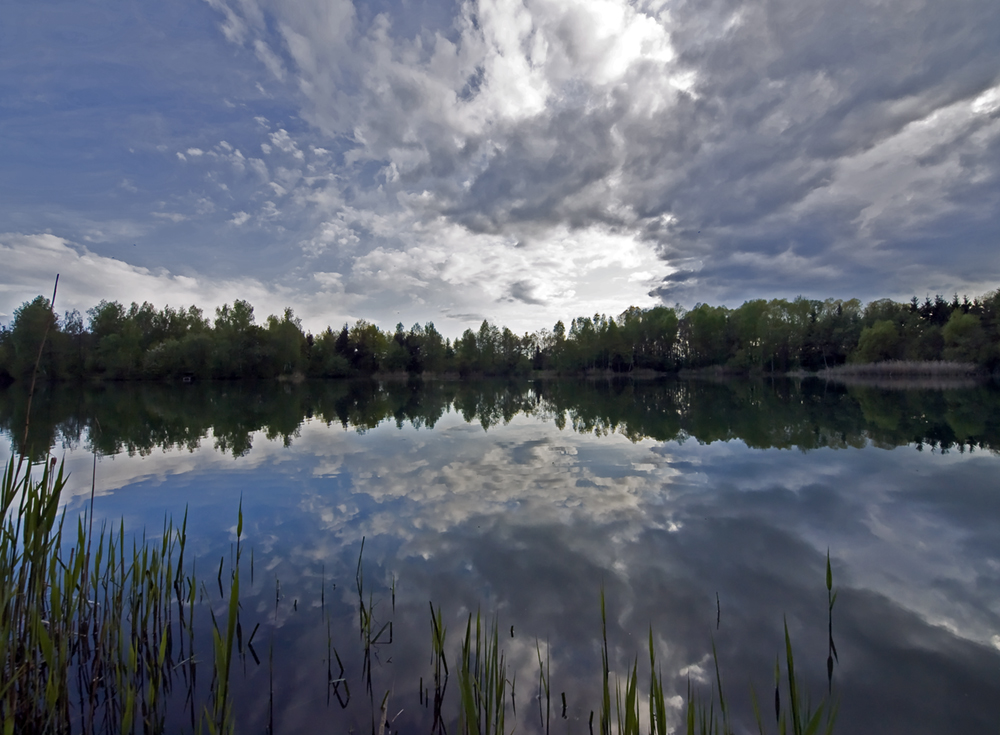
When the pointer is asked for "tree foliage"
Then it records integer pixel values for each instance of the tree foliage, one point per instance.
(142, 342)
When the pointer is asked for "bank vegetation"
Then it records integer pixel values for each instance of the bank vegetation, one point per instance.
(141, 342)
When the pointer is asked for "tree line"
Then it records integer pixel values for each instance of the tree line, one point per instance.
(141, 342)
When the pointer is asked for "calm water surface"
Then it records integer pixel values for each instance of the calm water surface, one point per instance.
(705, 510)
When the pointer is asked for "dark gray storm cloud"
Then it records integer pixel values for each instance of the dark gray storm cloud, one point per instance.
(827, 147)
(524, 291)
(771, 167)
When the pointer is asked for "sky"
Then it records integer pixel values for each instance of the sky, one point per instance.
(521, 161)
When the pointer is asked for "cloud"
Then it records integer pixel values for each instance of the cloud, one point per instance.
(32, 262)
(571, 273)
(780, 147)
(269, 59)
(330, 281)
(524, 291)
(283, 141)
(170, 216)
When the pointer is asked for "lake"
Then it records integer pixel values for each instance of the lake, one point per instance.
(703, 509)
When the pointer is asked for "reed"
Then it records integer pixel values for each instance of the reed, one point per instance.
(710, 715)
(439, 664)
(904, 369)
(219, 719)
(627, 716)
(482, 681)
(544, 694)
(89, 638)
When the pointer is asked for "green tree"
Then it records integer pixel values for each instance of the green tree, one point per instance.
(235, 319)
(879, 342)
(237, 345)
(286, 345)
(747, 324)
(118, 340)
(490, 350)
(703, 333)
(467, 353)
(325, 359)
(28, 328)
(433, 351)
(366, 347)
(70, 346)
(965, 339)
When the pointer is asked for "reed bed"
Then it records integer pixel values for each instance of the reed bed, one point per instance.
(97, 627)
(904, 369)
